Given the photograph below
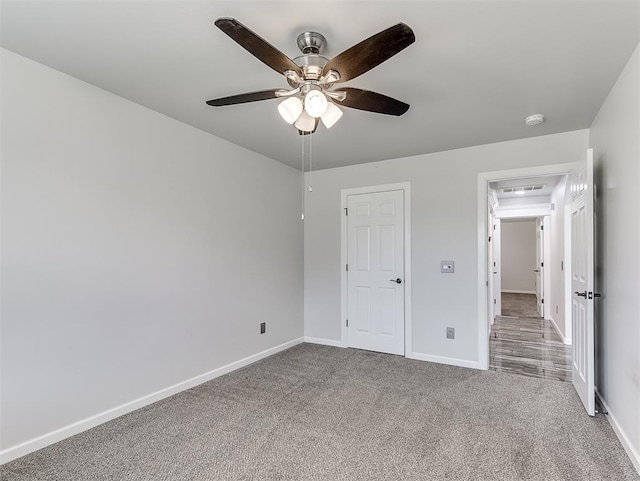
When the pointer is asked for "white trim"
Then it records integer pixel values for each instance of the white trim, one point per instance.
(622, 436)
(512, 291)
(565, 340)
(406, 187)
(514, 211)
(546, 269)
(45, 440)
(568, 322)
(324, 342)
(451, 361)
(483, 207)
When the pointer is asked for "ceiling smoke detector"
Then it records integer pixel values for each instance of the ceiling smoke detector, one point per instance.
(535, 119)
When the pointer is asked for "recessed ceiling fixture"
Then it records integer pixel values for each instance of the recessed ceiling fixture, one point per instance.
(521, 189)
(312, 77)
(535, 119)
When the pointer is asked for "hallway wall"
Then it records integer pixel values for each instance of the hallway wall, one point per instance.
(518, 243)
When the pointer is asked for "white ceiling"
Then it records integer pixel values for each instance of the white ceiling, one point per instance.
(477, 69)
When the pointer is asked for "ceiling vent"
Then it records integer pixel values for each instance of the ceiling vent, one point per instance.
(521, 189)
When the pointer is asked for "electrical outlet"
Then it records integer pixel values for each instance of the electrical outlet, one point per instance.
(263, 327)
(451, 333)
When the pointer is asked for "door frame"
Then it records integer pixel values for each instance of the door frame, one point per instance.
(344, 297)
(484, 178)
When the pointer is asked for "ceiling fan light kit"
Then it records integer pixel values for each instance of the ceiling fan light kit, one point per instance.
(305, 123)
(315, 103)
(331, 116)
(313, 78)
(290, 109)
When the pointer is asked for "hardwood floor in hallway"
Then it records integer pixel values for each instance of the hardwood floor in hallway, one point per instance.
(521, 342)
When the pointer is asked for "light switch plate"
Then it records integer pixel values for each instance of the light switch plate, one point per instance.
(447, 267)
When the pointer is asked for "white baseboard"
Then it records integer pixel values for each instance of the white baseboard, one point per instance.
(324, 342)
(509, 291)
(443, 360)
(565, 340)
(45, 440)
(624, 440)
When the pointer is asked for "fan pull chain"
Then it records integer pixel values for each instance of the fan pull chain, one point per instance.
(310, 160)
(303, 186)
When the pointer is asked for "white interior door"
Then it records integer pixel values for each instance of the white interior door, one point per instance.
(375, 271)
(497, 268)
(582, 279)
(492, 293)
(539, 267)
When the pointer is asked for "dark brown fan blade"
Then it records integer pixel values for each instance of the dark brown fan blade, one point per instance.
(257, 46)
(372, 102)
(244, 98)
(371, 52)
(315, 127)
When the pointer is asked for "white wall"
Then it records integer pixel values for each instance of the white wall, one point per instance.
(137, 251)
(444, 227)
(615, 138)
(518, 246)
(556, 268)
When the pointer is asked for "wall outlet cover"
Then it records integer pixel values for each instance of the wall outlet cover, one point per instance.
(451, 332)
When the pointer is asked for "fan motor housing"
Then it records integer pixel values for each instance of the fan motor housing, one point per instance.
(311, 42)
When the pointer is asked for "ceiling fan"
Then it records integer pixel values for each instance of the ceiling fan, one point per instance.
(314, 95)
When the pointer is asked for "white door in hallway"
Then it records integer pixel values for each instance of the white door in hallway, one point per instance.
(375, 275)
(582, 282)
(496, 268)
(539, 267)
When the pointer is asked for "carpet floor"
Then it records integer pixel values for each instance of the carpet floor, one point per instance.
(323, 413)
(519, 305)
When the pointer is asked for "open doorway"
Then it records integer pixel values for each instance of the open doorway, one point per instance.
(528, 329)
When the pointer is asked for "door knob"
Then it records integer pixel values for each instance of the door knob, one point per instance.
(581, 294)
(397, 281)
(536, 270)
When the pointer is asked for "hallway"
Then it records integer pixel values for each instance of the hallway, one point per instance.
(522, 342)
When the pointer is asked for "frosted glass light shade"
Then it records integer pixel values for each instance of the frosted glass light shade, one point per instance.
(290, 109)
(331, 116)
(315, 103)
(305, 122)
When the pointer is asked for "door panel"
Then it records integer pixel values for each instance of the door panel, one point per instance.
(375, 253)
(497, 266)
(582, 282)
(539, 268)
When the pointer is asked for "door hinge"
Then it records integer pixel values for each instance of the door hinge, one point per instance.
(347, 322)
(542, 301)
(541, 227)
(346, 267)
(542, 264)
(346, 211)
(495, 301)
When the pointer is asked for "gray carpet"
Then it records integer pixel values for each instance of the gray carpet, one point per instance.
(323, 413)
(519, 305)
